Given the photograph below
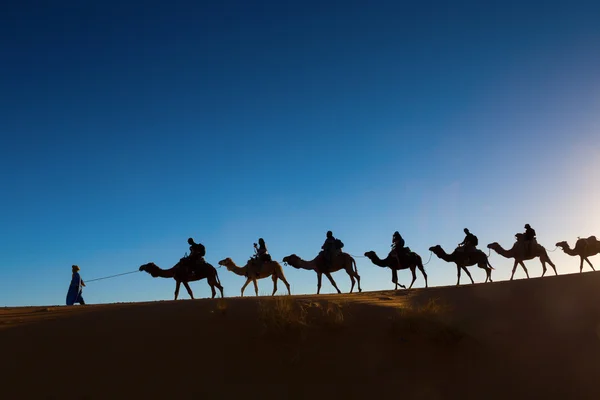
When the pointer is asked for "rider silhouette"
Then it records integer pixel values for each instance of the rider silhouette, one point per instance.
(329, 248)
(529, 237)
(197, 253)
(397, 244)
(261, 255)
(470, 242)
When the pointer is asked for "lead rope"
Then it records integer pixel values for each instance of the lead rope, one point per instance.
(111, 276)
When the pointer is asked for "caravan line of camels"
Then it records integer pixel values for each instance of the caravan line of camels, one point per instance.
(184, 273)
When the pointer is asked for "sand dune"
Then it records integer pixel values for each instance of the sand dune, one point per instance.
(525, 339)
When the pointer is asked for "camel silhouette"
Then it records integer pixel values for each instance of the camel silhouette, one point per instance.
(520, 254)
(409, 260)
(269, 268)
(342, 261)
(584, 248)
(465, 259)
(183, 272)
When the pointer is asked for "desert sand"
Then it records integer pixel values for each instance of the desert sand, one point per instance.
(536, 338)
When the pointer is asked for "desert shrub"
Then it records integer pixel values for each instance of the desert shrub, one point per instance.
(285, 314)
(428, 322)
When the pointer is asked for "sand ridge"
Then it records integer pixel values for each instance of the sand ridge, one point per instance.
(538, 337)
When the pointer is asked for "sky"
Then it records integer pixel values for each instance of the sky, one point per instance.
(126, 128)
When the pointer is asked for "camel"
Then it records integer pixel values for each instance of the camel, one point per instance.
(410, 260)
(183, 272)
(269, 268)
(518, 253)
(464, 260)
(342, 261)
(584, 248)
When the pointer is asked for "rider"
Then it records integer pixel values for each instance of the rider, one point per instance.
(397, 244)
(197, 252)
(529, 237)
(470, 242)
(330, 247)
(261, 255)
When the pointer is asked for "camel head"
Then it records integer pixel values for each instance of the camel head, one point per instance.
(436, 249)
(227, 263)
(150, 268)
(370, 255)
(292, 260)
(562, 244)
(494, 245)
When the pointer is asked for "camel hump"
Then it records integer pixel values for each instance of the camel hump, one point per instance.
(592, 239)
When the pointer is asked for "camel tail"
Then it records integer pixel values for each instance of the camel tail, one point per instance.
(488, 263)
(354, 264)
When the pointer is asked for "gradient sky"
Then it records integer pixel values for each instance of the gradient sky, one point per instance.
(125, 129)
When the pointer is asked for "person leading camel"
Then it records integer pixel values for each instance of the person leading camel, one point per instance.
(75, 288)
(470, 242)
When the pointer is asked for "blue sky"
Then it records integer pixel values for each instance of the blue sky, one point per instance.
(126, 129)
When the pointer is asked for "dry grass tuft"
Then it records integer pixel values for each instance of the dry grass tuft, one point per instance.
(429, 322)
(284, 314)
(222, 306)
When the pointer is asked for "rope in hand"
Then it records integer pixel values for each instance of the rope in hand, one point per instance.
(111, 276)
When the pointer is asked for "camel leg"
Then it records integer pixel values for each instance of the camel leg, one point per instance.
(245, 284)
(281, 276)
(544, 269)
(352, 280)
(514, 270)
(483, 265)
(189, 289)
(458, 273)
(414, 277)
(213, 282)
(328, 275)
(274, 284)
(468, 274)
(547, 259)
(422, 269)
(489, 268)
(395, 278)
(255, 286)
(358, 281)
(319, 277)
(177, 284)
(588, 261)
(527, 272)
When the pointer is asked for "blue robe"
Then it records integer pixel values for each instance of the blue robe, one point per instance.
(75, 289)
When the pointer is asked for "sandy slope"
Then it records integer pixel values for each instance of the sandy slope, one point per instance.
(525, 339)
